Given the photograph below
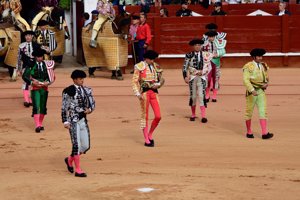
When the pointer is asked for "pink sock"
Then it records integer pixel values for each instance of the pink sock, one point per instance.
(154, 124)
(193, 108)
(215, 91)
(263, 125)
(41, 119)
(146, 135)
(36, 118)
(26, 96)
(203, 111)
(70, 160)
(77, 164)
(207, 93)
(248, 125)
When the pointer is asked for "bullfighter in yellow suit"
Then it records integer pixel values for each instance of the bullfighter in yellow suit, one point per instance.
(255, 77)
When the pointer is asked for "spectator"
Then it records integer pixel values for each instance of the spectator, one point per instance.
(184, 11)
(145, 6)
(126, 2)
(166, 2)
(143, 35)
(132, 31)
(218, 9)
(41, 4)
(90, 25)
(85, 18)
(233, 1)
(163, 12)
(157, 3)
(203, 3)
(282, 9)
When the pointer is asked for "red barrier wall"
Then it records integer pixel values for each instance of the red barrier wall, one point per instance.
(274, 33)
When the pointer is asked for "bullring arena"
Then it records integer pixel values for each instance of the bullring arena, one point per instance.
(191, 160)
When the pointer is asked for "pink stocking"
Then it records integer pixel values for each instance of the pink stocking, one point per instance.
(215, 91)
(248, 125)
(36, 118)
(77, 164)
(207, 93)
(70, 160)
(193, 111)
(154, 124)
(203, 111)
(157, 117)
(41, 119)
(145, 132)
(26, 96)
(29, 97)
(263, 125)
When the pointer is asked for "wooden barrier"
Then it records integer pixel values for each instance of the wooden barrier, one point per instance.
(275, 33)
(12, 53)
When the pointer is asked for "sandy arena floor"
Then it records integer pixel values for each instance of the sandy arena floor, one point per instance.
(191, 160)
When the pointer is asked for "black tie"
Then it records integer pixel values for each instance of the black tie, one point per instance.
(41, 66)
(29, 49)
(212, 46)
(80, 91)
(150, 67)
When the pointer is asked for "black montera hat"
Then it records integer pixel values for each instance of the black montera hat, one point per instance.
(218, 4)
(78, 74)
(38, 53)
(28, 33)
(151, 54)
(211, 26)
(95, 12)
(184, 2)
(257, 52)
(211, 33)
(196, 41)
(135, 17)
(42, 23)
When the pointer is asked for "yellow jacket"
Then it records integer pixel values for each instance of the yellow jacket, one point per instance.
(143, 75)
(254, 77)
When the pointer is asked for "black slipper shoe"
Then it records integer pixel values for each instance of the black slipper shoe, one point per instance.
(267, 136)
(70, 169)
(80, 175)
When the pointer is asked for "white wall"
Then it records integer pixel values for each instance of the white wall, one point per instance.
(89, 6)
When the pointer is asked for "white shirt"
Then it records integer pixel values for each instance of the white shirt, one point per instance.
(79, 88)
(281, 13)
(40, 66)
(258, 65)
